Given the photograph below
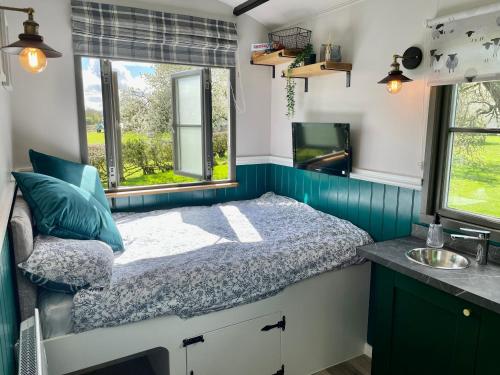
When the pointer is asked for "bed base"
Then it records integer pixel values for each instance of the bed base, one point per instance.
(326, 323)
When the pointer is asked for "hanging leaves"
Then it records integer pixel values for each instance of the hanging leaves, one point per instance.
(290, 82)
(290, 96)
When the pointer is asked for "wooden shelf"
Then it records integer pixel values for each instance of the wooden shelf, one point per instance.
(319, 69)
(275, 58)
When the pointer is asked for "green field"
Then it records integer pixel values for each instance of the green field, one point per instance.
(220, 171)
(475, 187)
(95, 138)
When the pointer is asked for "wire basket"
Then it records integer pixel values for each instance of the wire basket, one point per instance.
(294, 38)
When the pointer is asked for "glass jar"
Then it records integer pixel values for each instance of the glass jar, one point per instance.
(435, 237)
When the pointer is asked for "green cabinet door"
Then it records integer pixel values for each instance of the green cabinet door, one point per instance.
(488, 354)
(419, 329)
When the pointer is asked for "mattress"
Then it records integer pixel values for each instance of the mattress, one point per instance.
(191, 261)
(55, 313)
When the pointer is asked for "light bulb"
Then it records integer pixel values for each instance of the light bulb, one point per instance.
(394, 86)
(33, 60)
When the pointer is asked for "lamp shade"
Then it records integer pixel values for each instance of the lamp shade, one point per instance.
(395, 75)
(31, 41)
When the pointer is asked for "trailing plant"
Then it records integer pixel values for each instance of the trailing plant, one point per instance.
(290, 82)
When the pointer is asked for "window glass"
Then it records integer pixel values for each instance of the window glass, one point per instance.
(473, 172)
(477, 105)
(190, 149)
(189, 102)
(144, 133)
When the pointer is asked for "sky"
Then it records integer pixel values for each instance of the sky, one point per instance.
(130, 75)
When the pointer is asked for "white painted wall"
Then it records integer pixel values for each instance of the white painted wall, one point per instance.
(388, 131)
(6, 185)
(253, 94)
(44, 111)
(5, 159)
(5, 139)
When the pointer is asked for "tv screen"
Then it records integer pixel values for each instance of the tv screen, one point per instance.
(321, 147)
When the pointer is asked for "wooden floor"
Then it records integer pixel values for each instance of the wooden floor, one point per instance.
(357, 366)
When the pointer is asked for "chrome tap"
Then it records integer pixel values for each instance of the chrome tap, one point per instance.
(483, 242)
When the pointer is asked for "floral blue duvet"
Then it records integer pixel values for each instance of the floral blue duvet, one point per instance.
(194, 260)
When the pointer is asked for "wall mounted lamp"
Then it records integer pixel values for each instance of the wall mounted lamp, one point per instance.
(411, 59)
(30, 48)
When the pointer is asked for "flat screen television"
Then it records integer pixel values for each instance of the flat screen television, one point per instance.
(322, 147)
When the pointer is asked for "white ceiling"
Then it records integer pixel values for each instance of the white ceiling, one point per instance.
(276, 13)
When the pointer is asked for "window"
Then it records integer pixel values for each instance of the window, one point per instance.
(149, 124)
(463, 159)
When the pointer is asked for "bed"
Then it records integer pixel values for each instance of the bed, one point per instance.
(198, 269)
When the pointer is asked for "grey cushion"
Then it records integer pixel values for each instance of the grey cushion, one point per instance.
(22, 238)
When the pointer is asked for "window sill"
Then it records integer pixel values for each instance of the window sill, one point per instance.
(169, 189)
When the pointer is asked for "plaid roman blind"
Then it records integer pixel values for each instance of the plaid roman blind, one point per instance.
(112, 31)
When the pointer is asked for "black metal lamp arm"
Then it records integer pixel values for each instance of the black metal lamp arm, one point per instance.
(403, 58)
(30, 26)
(395, 64)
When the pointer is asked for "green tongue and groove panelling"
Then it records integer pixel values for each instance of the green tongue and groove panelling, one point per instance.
(8, 313)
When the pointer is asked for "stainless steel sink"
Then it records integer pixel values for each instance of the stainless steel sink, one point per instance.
(438, 258)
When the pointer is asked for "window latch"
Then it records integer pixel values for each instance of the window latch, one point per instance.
(112, 175)
(193, 340)
(281, 371)
(281, 324)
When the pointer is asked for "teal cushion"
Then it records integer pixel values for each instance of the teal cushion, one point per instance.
(66, 211)
(84, 176)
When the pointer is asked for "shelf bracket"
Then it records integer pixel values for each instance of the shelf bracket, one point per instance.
(347, 75)
(272, 66)
(306, 81)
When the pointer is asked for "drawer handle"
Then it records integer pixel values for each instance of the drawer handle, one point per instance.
(467, 312)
